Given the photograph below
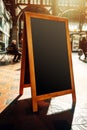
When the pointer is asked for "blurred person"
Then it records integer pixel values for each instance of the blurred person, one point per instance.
(83, 46)
(13, 49)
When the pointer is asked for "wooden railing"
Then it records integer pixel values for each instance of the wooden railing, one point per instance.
(35, 2)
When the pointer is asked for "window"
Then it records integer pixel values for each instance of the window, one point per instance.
(71, 2)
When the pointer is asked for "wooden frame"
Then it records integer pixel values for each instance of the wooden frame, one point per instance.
(23, 84)
(31, 58)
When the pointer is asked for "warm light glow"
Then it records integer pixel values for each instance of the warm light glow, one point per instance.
(60, 104)
(69, 2)
(84, 28)
(26, 93)
(74, 27)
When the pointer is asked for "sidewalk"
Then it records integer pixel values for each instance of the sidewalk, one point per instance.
(9, 83)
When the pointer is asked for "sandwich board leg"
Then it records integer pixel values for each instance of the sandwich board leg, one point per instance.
(35, 105)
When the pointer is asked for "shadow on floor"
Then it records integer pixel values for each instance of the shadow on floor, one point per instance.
(19, 116)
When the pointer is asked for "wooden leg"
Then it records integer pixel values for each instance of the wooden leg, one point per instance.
(35, 105)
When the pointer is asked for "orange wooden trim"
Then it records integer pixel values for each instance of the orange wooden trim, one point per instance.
(45, 16)
(70, 63)
(31, 59)
(55, 94)
(22, 75)
(22, 65)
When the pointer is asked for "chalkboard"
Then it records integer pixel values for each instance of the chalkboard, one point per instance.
(49, 63)
(52, 72)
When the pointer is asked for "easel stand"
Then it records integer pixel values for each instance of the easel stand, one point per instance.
(46, 58)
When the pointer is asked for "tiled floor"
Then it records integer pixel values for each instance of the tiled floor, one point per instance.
(54, 114)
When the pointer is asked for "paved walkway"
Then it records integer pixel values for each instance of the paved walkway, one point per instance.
(53, 114)
(9, 83)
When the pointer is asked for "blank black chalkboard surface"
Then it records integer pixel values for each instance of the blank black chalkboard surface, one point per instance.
(49, 63)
